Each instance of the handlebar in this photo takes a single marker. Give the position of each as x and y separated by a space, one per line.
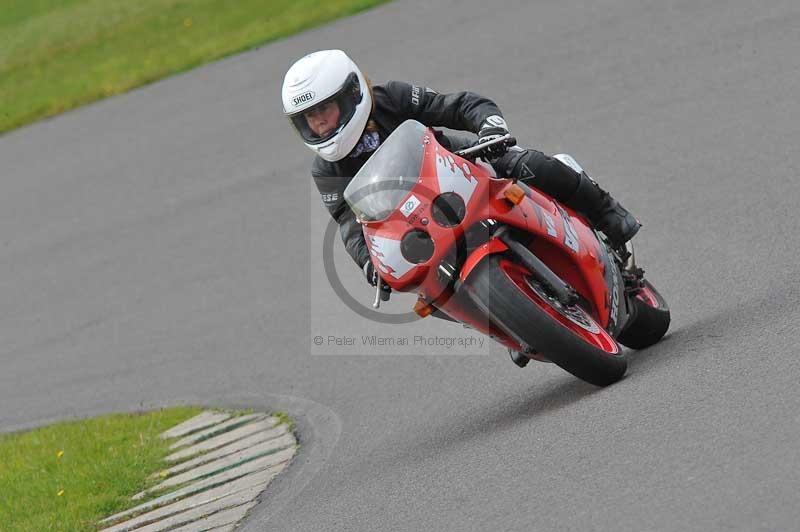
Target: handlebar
478 149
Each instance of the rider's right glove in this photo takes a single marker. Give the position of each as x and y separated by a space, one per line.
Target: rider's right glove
372 278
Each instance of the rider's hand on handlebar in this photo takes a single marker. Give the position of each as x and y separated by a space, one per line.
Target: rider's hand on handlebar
492 128
372 278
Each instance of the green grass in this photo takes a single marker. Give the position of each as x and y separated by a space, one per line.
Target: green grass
283 417
58 54
70 475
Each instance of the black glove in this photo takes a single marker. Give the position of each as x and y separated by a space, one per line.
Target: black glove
372 278
493 127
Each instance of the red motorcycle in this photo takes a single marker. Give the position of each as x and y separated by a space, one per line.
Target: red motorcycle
502 258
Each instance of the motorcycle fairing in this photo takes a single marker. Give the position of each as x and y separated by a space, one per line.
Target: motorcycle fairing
562 239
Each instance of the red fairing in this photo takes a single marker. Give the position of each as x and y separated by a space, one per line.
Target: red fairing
492 246
561 238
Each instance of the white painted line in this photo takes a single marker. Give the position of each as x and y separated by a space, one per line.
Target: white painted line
222 465
225 517
259 481
223 528
194 493
198 516
200 421
232 460
223 439
216 429
206 483
261 440
187 511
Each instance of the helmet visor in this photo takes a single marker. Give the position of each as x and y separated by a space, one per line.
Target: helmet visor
324 120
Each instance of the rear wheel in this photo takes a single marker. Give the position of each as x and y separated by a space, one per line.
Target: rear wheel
651 319
566 335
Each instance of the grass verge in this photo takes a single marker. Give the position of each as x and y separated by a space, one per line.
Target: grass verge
70 475
58 54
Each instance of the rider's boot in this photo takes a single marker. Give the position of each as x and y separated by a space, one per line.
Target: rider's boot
604 212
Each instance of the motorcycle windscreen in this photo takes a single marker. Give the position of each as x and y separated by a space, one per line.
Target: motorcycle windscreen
387 177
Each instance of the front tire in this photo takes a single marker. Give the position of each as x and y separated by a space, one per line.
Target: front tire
507 294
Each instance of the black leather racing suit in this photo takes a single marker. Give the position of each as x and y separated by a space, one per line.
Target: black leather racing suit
396 102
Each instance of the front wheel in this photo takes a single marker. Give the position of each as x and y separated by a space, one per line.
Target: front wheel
567 335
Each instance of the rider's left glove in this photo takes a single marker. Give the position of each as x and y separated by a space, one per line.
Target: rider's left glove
493 127
373 277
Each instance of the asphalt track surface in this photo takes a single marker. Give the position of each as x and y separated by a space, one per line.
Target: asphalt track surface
160 247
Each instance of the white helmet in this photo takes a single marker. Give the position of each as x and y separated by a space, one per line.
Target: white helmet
314 81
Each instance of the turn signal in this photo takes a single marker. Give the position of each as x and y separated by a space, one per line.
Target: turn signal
423 309
514 194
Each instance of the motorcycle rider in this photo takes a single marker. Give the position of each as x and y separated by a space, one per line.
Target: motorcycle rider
343 118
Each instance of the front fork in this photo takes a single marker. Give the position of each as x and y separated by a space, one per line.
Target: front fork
632 275
632 281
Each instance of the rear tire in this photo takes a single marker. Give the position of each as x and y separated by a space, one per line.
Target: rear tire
651 319
568 336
